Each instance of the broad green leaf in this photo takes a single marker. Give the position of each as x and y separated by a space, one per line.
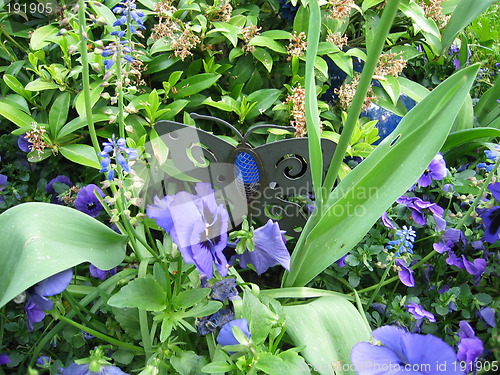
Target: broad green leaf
59 113
264 57
276 34
369 3
226 103
16 86
41 37
144 293
79 123
195 84
263 41
203 309
187 363
465 118
264 98
81 154
343 61
159 148
260 318
416 13
42 239
414 90
217 367
328 328
226 29
190 297
461 137
15 115
487 103
391 87
160 63
288 362
465 12
366 192
40 85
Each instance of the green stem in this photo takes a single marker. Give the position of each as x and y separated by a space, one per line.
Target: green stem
379 285
82 25
143 316
100 335
374 51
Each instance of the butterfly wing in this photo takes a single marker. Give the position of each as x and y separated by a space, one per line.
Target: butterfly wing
285 179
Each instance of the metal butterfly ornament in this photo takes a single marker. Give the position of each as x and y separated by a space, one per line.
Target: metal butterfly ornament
262 183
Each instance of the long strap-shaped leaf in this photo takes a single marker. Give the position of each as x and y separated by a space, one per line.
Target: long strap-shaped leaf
361 198
39 240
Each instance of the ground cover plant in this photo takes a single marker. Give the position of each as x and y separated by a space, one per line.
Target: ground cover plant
249 187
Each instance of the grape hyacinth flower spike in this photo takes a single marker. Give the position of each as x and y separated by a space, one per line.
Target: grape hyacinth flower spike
116 149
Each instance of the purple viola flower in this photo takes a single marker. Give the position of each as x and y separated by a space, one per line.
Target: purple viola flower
470 348
491 223
3 183
402 352
449 239
43 361
405 273
101 274
23 143
386 221
87 202
4 359
495 190
197 224
417 207
76 369
37 303
224 289
435 171
487 315
269 249
210 323
419 313
341 261
62 183
226 336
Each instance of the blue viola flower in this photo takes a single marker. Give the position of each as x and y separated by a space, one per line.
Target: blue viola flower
451 237
62 184
435 171
386 221
487 315
23 143
269 249
43 361
401 352
101 274
4 359
3 183
470 348
76 369
226 335
198 226
87 202
419 314
405 274
37 303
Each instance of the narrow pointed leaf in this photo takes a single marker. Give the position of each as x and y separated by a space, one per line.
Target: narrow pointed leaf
366 192
42 239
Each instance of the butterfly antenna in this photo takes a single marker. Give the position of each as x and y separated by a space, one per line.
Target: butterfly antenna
266 126
196 116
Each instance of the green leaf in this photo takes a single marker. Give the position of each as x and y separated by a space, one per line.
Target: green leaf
391 87
217 367
226 29
144 293
264 57
81 154
95 93
187 363
188 298
107 14
327 328
264 41
369 3
42 239
414 90
343 61
465 12
40 85
416 13
264 99
42 36
375 184
260 318
204 309
15 115
128 319
465 118
59 113
461 137
16 86
78 123
487 104
195 84
173 109
288 362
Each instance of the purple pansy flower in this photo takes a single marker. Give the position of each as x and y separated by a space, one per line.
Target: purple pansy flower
226 336
470 348
386 221
4 359
402 352
419 313
3 183
37 303
76 369
23 143
87 202
491 217
269 249
487 315
405 273
435 171
101 274
60 181
197 224
449 239
417 207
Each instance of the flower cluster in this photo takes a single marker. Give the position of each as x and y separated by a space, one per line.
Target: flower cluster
248 33
389 64
418 208
35 138
339 9
116 149
337 39
492 157
347 91
297 45
128 12
434 10
298 101
404 241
